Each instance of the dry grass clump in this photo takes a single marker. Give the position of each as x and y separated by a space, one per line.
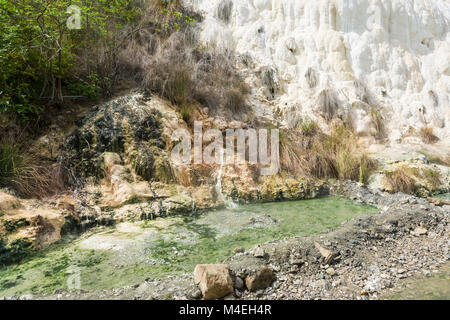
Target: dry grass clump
309 127
402 180
270 81
165 56
224 10
407 179
29 175
378 121
373 107
312 153
427 135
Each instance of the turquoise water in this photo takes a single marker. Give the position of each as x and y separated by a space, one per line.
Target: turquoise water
132 252
445 196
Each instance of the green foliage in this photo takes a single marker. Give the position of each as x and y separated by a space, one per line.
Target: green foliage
186 112
177 20
40 55
90 88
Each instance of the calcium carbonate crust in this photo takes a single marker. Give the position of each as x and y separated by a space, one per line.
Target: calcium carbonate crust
392 56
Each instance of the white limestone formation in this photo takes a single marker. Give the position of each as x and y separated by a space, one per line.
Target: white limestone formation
364 57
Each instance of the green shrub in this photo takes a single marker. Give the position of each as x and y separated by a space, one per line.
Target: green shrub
42 59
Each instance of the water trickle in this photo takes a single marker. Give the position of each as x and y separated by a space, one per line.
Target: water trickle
193 205
219 189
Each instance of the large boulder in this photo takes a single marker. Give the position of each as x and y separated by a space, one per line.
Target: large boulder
214 280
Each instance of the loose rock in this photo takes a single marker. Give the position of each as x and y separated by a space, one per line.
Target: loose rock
260 280
213 280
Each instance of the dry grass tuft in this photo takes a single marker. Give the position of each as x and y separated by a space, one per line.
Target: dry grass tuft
224 10
378 121
311 78
166 58
407 179
402 180
29 175
312 153
442 161
427 135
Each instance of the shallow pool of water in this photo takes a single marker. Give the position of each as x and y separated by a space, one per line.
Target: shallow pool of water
445 196
131 252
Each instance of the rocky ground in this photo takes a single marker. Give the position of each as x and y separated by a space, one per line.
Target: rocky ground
365 258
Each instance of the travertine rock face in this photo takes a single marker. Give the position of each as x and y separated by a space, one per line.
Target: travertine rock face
29 220
385 56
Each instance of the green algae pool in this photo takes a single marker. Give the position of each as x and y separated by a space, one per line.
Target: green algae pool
107 258
445 196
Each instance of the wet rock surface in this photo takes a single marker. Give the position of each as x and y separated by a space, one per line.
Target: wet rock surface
120 127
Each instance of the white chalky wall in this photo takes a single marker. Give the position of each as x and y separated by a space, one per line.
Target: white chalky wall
400 50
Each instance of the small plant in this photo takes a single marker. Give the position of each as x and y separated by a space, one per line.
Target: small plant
90 88
186 112
235 101
377 120
309 127
432 177
224 10
311 78
443 161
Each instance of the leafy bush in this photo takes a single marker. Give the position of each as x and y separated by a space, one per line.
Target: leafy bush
42 58
151 41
